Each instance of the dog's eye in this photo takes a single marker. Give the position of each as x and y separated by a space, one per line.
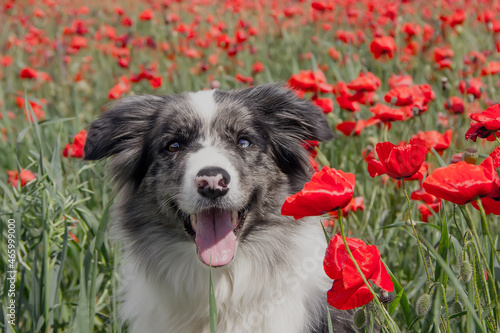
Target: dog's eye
243 143
174 146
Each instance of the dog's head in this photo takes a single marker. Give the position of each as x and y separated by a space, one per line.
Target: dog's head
208 164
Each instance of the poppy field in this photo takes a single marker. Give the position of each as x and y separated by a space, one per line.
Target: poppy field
408 191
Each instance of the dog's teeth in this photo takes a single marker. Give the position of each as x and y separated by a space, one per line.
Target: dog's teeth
234 219
194 221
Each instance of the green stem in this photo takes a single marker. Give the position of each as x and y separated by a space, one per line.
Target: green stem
470 223
496 137
416 235
486 229
368 285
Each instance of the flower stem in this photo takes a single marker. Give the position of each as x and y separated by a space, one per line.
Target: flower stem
496 137
416 235
470 224
368 285
486 229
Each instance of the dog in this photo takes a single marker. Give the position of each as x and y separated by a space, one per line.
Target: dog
201 178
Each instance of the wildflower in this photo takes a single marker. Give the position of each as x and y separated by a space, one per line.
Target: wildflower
461 182
383 46
328 190
433 139
397 162
25 176
76 148
348 290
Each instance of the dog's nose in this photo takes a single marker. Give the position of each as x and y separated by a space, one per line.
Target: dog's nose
212 182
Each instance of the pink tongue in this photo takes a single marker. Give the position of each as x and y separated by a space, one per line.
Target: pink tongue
215 238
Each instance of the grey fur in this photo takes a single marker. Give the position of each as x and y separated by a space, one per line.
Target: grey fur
148 219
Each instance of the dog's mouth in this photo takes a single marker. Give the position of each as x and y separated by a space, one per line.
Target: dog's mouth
215 232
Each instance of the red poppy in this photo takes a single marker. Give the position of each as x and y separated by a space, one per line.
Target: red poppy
26 177
326 104
356 127
386 113
454 105
146 14
76 148
6 61
495 155
477 130
397 162
422 195
365 82
433 139
28 73
120 88
442 56
489 118
400 96
411 29
257 67
490 205
493 67
310 146
348 290
328 190
383 45
310 81
472 86
425 212
461 182
346 102
400 81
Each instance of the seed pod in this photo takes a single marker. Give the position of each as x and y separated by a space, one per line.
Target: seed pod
456 307
360 318
465 271
470 155
423 305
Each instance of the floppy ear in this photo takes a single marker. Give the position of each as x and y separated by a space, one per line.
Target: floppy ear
122 130
291 120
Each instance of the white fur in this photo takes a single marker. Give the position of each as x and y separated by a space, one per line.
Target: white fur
203 103
249 298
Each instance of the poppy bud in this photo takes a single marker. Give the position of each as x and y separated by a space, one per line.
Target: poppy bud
465 271
423 305
456 307
444 83
470 155
360 318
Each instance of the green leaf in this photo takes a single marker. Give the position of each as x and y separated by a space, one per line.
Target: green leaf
405 305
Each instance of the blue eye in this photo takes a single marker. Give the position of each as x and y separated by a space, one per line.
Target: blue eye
174 146
243 143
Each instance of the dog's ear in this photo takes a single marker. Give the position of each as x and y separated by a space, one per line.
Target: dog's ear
121 130
291 121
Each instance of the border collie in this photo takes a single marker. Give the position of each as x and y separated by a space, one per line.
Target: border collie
201 179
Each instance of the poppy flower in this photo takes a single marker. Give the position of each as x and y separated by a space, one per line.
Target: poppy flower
400 96
386 113
25 176
495 155
433 139
6 61
120 88
76 148
397 162
454 105
328 190
422 195
490 206
425 212
310 81
28 73
383 45
472 86
326 104
348 290
365 82
257 67
356 127
357 203
492 67
346 102
489 118
477 130
461 182
146 14
400 81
